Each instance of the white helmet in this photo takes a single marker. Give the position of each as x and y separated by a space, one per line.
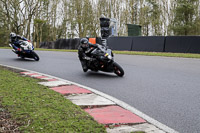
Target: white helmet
12 35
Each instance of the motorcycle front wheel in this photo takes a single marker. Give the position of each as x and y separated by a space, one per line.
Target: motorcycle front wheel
35 56
118 70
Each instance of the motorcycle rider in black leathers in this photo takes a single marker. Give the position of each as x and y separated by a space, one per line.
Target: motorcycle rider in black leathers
84 50
16 41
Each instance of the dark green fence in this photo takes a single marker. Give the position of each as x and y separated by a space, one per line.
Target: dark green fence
134 30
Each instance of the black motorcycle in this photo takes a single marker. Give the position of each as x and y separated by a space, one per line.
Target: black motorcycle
26 50
101 59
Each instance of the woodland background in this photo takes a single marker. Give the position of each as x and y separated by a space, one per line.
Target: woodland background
49 20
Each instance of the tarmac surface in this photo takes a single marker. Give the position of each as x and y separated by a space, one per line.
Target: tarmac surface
164 88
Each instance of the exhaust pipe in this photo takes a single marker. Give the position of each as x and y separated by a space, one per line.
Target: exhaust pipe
13 48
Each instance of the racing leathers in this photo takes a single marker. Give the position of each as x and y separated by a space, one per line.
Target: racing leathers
17 41
84 55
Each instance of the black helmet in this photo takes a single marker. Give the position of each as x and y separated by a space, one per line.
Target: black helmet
84 43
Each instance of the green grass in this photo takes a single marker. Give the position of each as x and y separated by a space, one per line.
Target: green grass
5 47
39 109
183 55
59 50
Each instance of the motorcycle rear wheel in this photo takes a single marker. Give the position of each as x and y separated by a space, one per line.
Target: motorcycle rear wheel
118 70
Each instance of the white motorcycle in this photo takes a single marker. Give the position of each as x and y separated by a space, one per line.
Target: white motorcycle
26 50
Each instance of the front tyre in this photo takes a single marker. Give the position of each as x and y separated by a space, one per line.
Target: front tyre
35 56
118 70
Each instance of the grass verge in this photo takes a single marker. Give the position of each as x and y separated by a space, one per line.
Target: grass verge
165 54
37 108
183 55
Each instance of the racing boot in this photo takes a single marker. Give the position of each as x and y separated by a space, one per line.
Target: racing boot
84 66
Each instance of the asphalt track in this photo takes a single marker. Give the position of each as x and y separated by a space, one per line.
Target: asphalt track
164 88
